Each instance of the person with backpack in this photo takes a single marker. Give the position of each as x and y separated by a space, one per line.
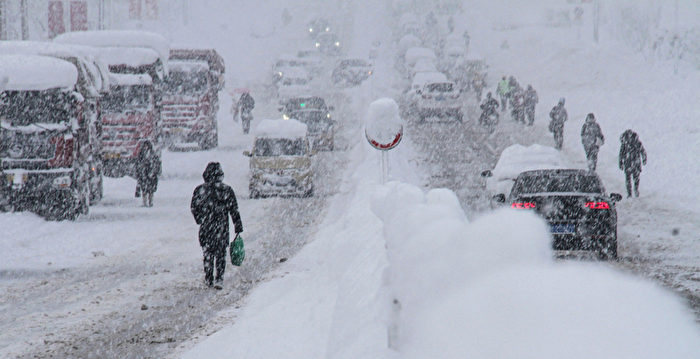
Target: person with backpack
591 138
531 100
558 116
148 168
212 204
632 157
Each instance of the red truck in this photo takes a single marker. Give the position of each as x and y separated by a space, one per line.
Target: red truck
45 137
132 109
191 97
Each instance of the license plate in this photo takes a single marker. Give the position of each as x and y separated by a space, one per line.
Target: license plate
563 228
110 156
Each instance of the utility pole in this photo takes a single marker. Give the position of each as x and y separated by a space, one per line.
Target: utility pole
24 18
596 20
101 15
2 20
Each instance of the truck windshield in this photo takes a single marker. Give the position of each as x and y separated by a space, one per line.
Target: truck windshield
121 98
186 82
22 108
279 147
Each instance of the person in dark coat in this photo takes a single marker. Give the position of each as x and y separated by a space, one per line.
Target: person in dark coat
246 104
212 204
558 116
591 138
148 168
531 100
489 107
632 157
517 102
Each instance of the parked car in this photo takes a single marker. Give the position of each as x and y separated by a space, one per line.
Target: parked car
581 216
352 71
439 99
45 138
191 97
280 160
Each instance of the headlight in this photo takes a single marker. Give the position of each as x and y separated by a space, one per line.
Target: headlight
311 29
62 182
328 115
279 73
285 117
328 29
318 44
337 43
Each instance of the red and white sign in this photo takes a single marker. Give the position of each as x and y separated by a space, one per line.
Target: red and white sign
384 127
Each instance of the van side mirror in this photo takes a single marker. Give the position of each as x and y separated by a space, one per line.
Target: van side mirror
486 173
500 198
247 154
616 197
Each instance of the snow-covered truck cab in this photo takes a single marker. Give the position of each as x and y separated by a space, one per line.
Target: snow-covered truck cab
280 162
129 122
191 97
44 138
131 53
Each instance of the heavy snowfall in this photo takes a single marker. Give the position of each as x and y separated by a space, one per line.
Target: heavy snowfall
412 179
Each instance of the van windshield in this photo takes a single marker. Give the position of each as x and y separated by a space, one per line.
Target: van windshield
22 108
126 97
267 147
186 82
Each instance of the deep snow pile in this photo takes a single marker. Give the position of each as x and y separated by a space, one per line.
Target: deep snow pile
487 289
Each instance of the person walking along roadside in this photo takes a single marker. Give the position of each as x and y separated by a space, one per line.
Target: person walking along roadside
591 138
212 204
632 157
558 116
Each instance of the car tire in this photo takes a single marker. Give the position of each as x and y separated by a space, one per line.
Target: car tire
309 193
609 249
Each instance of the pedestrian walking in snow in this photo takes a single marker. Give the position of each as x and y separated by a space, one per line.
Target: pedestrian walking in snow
591 138
632 157
148 168
246 104
503 90
212 204
517 102
531 100
558 116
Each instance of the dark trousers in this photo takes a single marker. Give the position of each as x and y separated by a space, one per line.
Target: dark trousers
504 102
592 157
530 112
214 257
558 138
632 176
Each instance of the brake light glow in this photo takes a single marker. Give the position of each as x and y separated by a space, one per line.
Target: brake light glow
598 205
523 205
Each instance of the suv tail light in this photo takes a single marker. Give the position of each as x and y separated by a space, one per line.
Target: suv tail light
598 205
523 205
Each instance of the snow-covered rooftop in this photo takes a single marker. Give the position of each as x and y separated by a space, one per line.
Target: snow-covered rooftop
130 79
280 129
37 73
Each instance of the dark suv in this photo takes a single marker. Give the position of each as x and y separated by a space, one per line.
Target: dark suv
581 216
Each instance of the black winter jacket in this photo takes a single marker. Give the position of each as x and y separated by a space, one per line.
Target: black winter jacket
632 154
212 203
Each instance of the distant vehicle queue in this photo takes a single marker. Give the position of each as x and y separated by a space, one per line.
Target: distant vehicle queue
93 104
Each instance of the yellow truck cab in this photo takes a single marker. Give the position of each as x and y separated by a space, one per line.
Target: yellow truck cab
280 161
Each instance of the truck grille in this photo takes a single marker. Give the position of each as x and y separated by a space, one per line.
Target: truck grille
179 115
119 133
27 147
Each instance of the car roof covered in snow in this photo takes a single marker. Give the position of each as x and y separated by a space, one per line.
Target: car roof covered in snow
130 79
188 66
422 78
516 159
416 53
280 129
135 57
295 72
119 38
37 73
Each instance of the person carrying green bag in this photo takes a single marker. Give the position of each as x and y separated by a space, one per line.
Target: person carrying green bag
237 251
212 204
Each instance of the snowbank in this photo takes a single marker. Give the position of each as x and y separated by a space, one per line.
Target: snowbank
37 73
280 129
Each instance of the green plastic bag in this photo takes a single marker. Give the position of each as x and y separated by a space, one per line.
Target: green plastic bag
237 251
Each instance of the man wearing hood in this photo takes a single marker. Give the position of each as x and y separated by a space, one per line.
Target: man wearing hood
632 157
212 203
591 138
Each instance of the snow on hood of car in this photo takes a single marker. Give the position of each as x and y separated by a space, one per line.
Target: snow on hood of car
280 129
129 79
134 57
37 73
119 38
518 158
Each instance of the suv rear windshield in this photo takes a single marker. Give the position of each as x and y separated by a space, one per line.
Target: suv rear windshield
439 87
22 108
126 97
557 183
267 147
305 103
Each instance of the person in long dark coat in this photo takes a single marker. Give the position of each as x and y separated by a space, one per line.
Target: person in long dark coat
212 204
148 168
591 138
632 157
531 100
556 125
